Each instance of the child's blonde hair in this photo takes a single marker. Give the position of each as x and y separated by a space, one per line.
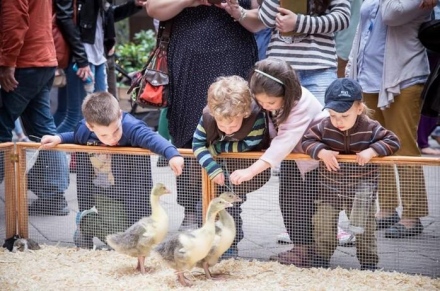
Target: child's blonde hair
100 108
229 97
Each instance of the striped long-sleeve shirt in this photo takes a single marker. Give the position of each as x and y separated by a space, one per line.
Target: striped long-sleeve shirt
208 141
366 133
316 48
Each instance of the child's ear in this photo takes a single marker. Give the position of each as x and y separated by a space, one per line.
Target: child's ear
89 126
361 108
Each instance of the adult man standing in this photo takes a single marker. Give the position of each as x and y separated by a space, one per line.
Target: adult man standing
27 66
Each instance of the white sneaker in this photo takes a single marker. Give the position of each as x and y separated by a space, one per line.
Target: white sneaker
283 238
345 239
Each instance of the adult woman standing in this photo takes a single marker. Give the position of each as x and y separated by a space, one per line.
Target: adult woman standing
205 43
392 86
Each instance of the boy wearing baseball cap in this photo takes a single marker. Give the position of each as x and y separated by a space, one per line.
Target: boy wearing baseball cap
347 186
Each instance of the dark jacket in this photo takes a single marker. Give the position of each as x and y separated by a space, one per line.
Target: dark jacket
431 90
83 27
366 133
135 133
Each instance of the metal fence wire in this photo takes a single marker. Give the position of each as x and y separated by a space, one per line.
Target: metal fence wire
77 195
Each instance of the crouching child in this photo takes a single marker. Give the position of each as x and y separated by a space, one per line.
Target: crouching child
112 189
231 122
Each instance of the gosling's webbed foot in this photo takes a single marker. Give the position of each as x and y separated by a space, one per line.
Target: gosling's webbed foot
183 280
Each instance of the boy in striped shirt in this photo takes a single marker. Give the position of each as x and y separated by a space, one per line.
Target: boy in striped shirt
231 122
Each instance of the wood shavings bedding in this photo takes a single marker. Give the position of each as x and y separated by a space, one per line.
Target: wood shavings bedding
59 268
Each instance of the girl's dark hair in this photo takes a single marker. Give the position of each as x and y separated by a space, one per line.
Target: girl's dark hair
290 90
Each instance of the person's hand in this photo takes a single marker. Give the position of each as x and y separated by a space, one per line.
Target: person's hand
232 7
240 176
7 79
219 179
49 141
365 156
428 4
85 72
329 159
285 20
140 2
176 164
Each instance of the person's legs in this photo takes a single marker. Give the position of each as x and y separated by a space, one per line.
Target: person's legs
297 207
364 211
49 177
426 127
317 81
411 178
325 223
189 191
19 131
100 74
388 200
75 96
61 110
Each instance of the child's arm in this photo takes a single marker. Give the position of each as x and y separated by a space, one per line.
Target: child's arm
50 141
254 138
202 154
313 145
384 143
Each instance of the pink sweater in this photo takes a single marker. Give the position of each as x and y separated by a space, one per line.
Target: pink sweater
304 115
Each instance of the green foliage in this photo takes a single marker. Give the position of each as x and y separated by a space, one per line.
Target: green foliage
132 56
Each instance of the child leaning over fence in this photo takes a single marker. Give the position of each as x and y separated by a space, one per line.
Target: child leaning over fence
347 186
117 184
231 122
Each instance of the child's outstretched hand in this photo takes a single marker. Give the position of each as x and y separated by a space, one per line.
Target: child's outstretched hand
240 176
219 179
329 159
176 164
49 141
365 156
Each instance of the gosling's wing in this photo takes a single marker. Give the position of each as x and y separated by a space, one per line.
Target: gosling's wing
128 239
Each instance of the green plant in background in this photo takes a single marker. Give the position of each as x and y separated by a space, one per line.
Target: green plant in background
132 56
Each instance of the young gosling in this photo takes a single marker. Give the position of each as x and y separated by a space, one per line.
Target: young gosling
183 250
224 235
141 237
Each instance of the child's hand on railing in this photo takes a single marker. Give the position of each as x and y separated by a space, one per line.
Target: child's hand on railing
176 164
329 159
365 156
49 141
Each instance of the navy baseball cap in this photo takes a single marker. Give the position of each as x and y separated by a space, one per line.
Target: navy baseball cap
341 94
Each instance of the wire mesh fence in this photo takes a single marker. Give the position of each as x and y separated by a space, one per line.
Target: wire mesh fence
99 191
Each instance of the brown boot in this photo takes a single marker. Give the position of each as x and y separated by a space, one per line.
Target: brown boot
300 256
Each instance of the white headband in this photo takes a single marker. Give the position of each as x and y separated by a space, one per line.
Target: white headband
269 76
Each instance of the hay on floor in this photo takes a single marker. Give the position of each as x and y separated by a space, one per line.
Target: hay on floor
58 268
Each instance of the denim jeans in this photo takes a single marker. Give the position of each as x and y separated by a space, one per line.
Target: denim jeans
31 101
317 81
71 96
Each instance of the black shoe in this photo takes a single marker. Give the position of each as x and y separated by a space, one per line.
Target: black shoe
49 206
400 231
320 262
388 221
368 267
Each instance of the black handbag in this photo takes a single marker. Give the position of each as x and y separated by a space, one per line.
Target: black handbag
150 86
429 35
